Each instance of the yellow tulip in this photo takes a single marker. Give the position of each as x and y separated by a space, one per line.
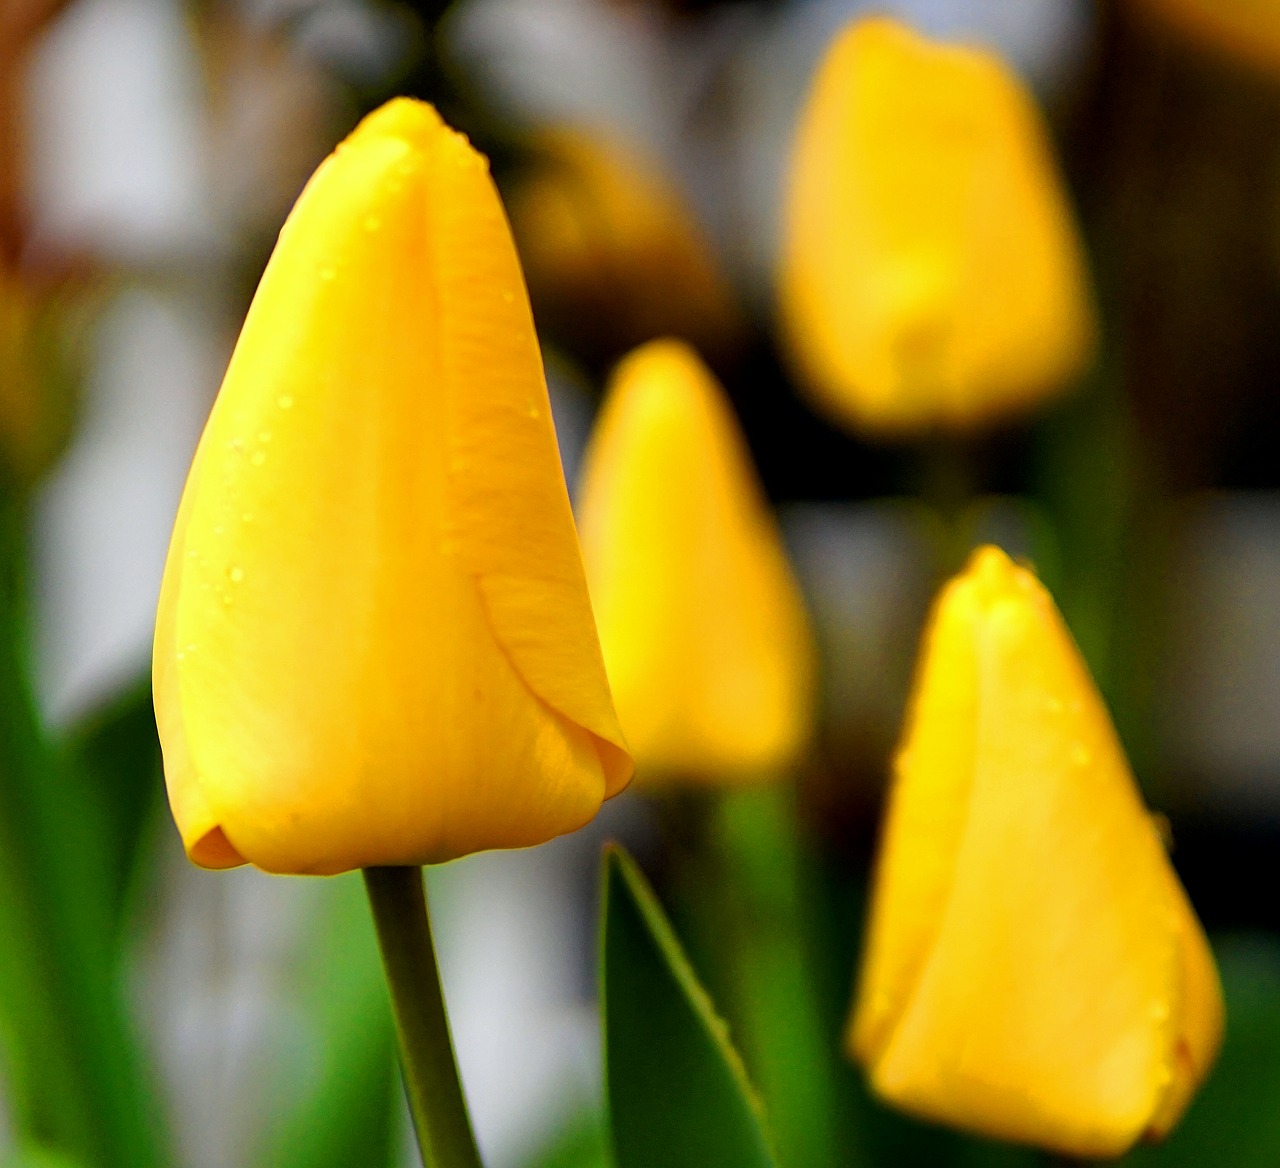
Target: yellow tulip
613 252
1033 971
1248 30
931 272
374 644
701 622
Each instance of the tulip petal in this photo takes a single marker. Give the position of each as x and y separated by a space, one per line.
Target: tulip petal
700 619
924 824
198 825
335 686
508 503
1035 973
1199 1017
931 273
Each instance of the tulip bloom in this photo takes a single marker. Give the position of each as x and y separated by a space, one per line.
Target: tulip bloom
931 271
613 253
701 621
374 643
1033 969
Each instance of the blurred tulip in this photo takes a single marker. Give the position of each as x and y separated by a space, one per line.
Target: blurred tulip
701 622
1248 30
374 643
37 350
613 254
931 271
39 373
1033 970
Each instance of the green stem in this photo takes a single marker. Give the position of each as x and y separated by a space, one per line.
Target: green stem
431 1080
948 481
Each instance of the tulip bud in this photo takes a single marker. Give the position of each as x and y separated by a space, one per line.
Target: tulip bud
1033 970
613 253
701 621
931 272
374 643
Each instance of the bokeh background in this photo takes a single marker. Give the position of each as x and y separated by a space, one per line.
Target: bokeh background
149 151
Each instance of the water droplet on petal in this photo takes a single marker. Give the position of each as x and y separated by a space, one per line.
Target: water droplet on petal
236 445
534 412
264 435
258 457
1081 755
1054 705
285 401
235 573
372 223
328 272
508 297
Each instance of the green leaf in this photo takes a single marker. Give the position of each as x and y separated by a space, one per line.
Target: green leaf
753 927
75 1074
582 1143
35 1156
677 1093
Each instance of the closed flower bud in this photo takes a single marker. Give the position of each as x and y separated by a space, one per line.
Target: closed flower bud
613 253
701 621
931 272
1033 971
374 643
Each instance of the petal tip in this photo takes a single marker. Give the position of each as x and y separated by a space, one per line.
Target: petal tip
213 850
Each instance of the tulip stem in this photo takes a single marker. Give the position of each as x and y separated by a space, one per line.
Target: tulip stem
430 1069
